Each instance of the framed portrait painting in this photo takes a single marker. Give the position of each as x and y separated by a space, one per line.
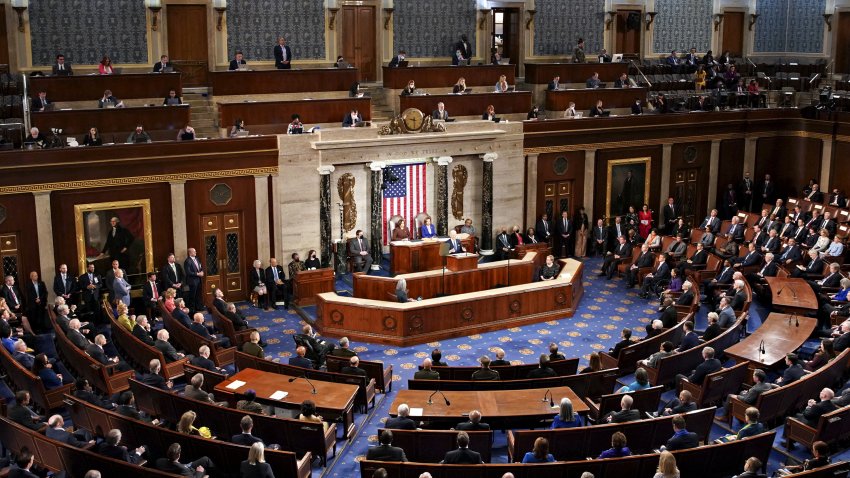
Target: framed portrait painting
627 184
119 230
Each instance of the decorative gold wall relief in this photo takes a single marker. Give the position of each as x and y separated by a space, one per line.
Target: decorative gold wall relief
345 188
460 175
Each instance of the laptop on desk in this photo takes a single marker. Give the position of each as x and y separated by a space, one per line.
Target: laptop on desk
167 69
242 133
50 107
617 58
403 63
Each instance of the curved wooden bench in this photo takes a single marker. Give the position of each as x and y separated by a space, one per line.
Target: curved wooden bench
19 378
225 326
380 372
507 372
718 385
192 342
139 354
644 401
430 446
629 356
832 427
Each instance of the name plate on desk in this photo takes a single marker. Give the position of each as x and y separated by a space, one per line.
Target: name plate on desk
462 262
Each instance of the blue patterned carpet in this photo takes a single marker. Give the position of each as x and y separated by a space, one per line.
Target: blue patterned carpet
605 309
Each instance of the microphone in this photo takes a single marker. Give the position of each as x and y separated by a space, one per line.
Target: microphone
780 290
551 402
442 394
305 378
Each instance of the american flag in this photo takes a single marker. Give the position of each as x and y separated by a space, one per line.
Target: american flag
405 197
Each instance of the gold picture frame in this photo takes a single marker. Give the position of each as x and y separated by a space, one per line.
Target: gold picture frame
93 218
617 171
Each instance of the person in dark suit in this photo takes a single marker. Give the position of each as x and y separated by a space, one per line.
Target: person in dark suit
599 237
696 261
790 253
153 377
282 55
237 61
75 336
194 278
168 351
196 469
401 421
622 252
162 65
255 466
463 455
637 107
394 63
811 271
670 213
111 448
564 227
151 293
690 339
760 385
553 85
85 392
684 403
202 360
543 228
343 350
65 285
667 314
172 275
645 259
770 269
385 451
463 51
815 408
199 328
687 297
358 247
713 329
23 463
766 191
22 414
485 372
597 110
233 314
300 359
543 369
815 195
440 113
142 330
625 413
246 437
625 341
682 438
56 430
37 302
40 102
503 245
474 423
793 372
276 284
353 367
61 67
426 373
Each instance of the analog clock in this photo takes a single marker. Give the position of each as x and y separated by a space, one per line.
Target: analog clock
413 119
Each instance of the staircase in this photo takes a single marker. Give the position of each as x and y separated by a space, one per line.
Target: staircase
203 115
382 112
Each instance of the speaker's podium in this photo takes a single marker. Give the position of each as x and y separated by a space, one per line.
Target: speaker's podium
462 262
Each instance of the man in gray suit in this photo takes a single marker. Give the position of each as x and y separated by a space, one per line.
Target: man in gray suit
385 451
359 249
726 316
760 385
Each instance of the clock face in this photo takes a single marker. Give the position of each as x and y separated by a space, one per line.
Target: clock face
412 118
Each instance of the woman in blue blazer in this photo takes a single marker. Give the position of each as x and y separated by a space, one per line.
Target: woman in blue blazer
428 230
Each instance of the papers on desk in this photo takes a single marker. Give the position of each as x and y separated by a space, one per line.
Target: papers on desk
416 412
235 384
279 395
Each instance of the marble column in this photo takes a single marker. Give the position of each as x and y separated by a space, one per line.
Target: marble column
531 188
825 165
666 159
325 211
487 204
277 223
713 171
589 178
376 214
261 203
178 220
44 228
750 146
441 196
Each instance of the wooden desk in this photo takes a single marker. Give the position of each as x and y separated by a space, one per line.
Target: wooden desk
280 112
792 295
447 76
309 283
501 407
431 284
781 336
225 83
542 73
333 400
586 98
117 122
474 104
462 262
405 324
416 256
91 87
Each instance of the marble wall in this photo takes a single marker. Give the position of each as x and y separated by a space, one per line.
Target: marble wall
682 24
253 27
557 25
430 28
85 30
795 26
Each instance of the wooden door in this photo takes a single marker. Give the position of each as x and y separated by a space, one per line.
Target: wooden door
687 193
557 197
4 39
358 39
627 36
733 34
506 33
10 256
187 42
223 254
842 43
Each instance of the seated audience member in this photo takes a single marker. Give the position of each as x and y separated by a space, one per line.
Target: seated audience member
436 358
815 408
36 139
427 230
533 114
253 347
61 67
656 328
690 339
474 423
109 101
172 99
238 128
687 297
713 329
645 259
162 65
401 421
625 414
40 102
201 467
752 427
246 424
463 455
154 379
835 249
249 403
186 133
255 466
235 316
684 403
637 107
751 466
43 369
92 138
22 414
666 466
409 89
618 447
353 367
708 365
168 351
682 438
641 382
566 417
793 372
820 458
352 119
760 385
665 350
489 114
554 354
186 425
625 341
500 358
597 110
199 328
622 81
238 62
84 391
549 270
194 390
385 451
343 350
308 413
540 454
485 373
427 373
56 430
295 126
401 232
139 135
202 360
112 448
127 407
543 370
300 359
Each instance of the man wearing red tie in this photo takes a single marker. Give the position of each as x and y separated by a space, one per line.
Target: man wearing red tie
150 292
194 278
